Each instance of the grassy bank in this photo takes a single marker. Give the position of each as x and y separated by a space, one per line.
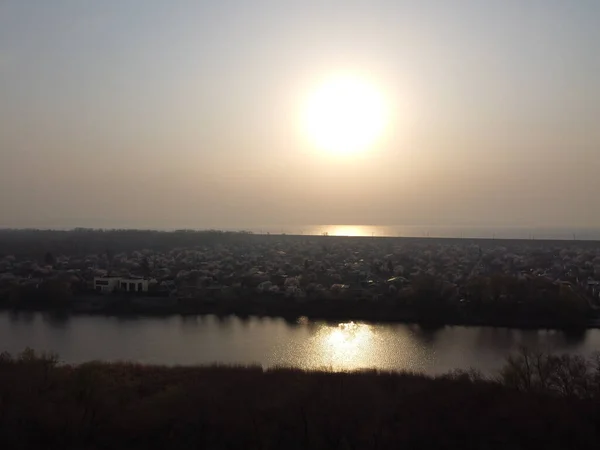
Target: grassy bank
539 401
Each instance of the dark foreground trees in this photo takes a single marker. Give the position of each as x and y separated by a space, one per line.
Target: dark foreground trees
97 405
570 376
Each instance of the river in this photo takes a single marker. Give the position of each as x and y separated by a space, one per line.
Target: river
189 340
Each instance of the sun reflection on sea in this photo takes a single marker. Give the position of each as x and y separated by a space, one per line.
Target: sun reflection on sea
348 230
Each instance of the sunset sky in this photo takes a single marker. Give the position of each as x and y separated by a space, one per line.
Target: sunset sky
155 113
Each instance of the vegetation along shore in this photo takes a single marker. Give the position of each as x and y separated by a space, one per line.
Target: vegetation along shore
536 399
515 283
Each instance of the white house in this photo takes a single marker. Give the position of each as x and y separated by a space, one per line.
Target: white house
134 284
112 284
106 284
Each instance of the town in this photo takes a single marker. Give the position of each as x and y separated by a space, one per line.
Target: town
520 283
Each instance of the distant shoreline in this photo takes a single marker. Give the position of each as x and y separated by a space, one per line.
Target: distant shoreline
493 236
237 289
293 236
313 313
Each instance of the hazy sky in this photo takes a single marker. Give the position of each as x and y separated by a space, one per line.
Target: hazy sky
163 113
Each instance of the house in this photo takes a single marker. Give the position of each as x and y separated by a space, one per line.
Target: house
134 284
106 285
112 284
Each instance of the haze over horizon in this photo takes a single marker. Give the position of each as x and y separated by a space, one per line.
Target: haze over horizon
189 113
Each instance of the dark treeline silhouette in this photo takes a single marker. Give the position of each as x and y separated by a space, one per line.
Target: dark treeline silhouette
500 300
537 401
81 241
570 376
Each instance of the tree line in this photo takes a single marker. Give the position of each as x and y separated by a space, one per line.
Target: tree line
536 401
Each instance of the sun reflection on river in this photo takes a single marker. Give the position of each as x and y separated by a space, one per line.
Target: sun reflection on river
347 346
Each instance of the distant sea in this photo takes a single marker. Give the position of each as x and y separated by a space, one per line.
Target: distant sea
485 232
434 231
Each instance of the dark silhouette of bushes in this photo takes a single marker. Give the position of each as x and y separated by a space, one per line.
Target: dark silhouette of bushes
501 299
124 405
571 376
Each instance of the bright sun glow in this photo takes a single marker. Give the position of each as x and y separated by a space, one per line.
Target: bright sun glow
348 345
345 115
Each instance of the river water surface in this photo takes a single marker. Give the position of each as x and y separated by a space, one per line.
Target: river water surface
178 340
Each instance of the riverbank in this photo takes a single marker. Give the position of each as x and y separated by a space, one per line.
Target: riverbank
132 406
322 315
517 284
362 311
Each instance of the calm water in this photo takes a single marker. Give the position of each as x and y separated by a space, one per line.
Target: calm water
385 231
435 231
271 342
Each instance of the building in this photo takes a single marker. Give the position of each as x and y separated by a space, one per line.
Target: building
133 284
107 285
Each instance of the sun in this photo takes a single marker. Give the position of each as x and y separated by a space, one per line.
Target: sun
344 115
